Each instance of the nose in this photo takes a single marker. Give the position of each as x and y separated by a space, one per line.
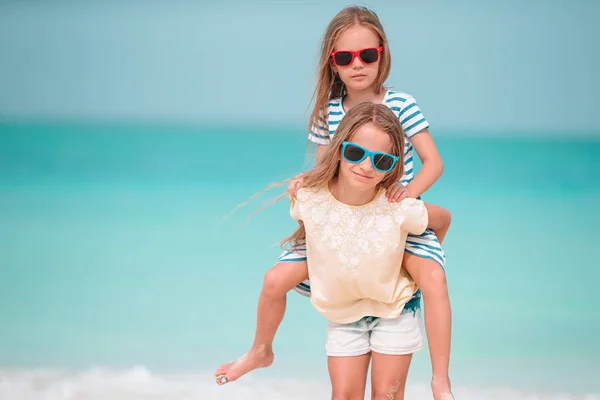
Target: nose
366 165
357 62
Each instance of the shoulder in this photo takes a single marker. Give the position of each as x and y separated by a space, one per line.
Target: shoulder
383 205
308 202
410 203
332 109
409 215
397 100
408 206
311 195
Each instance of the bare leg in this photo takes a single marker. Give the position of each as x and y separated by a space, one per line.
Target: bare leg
279 280
430 277
388 376
348 376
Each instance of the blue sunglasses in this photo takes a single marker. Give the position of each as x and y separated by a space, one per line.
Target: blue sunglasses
382 162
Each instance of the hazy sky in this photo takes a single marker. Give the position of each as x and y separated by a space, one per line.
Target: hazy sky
499 66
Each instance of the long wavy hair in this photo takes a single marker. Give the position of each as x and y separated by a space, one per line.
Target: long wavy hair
328 169
329 85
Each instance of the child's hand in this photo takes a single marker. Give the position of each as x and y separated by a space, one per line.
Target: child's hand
397 192
294 185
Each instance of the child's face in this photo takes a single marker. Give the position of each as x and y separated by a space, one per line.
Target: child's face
358 75
363 176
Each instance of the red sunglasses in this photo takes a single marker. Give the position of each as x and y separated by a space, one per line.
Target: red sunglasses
346 57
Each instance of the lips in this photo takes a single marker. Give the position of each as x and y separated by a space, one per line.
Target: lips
361 176
358 76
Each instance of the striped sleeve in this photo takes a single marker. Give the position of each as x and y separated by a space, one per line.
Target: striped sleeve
319 131
412 119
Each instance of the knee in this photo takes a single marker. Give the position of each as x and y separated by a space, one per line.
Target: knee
447 218
395 391
273 283
434 280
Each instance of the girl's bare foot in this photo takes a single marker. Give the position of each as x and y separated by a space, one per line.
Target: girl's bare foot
256 358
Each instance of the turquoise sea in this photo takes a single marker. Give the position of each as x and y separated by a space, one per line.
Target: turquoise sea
121 278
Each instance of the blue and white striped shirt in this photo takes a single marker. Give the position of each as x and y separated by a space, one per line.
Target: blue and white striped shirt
402 104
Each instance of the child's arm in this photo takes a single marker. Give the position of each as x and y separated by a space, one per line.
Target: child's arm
416 129
432 167
428 174
439 220
321 149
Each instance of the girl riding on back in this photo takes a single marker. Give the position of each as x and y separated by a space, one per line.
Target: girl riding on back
355 63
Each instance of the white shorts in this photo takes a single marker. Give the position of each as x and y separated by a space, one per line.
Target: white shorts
397 336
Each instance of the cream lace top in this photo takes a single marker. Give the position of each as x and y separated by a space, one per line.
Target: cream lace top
354 253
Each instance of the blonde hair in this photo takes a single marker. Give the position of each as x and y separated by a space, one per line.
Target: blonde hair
329 85
358 116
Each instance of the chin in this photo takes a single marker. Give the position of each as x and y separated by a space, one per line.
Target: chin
359 86
364 186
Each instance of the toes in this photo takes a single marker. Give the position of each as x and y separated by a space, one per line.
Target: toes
221 380
223 369
234 373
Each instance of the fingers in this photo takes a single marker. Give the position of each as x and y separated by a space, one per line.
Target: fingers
293 187
399 197
402 196
396 193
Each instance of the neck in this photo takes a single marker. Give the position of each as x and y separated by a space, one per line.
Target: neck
354 97
350 196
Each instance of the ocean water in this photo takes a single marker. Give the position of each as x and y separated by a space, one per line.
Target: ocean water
121 276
